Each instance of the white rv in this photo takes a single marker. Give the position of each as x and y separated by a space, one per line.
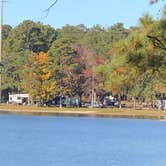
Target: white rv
18 98
161 104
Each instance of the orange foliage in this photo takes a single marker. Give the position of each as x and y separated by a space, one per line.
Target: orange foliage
38 59
150 48
45 74
161 89
145 28
118 71
25 66
37 75
42 58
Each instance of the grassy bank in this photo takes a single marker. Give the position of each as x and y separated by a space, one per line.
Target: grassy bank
93 112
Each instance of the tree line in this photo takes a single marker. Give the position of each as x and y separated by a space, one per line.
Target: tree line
75 60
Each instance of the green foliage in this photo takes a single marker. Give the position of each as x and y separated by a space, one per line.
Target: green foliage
12 68
24 38
76 33
122 61
99 39
138 63
61 56
30 36
5 31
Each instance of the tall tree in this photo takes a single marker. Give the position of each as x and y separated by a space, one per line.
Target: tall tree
30 36
61 55
6 29
25 38
37 78
137 63
76 33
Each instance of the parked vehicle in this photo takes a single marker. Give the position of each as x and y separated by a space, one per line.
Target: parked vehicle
56 102
89 105
18 99
161 104
109 101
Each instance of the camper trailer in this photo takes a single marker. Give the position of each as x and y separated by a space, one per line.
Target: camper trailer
18 99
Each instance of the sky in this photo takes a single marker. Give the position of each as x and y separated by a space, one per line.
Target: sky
75 12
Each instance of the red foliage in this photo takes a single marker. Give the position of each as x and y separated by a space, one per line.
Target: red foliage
98 60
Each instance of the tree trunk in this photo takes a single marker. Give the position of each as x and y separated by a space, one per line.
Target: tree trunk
119 101
80 100
134 100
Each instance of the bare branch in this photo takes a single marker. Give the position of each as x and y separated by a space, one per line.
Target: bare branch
49 8
153 1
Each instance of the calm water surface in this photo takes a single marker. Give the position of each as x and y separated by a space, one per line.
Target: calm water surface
67 141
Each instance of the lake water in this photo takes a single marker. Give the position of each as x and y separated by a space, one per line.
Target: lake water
68 141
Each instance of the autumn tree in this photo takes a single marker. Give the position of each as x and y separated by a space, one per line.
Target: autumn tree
137 63
61 56
37 78
18 43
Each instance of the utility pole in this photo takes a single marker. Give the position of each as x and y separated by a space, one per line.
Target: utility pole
1 18
93 91
92 82
60 63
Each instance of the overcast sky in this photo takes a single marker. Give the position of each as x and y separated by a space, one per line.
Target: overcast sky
74 12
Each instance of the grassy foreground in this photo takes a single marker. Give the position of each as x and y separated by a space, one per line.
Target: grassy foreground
93 112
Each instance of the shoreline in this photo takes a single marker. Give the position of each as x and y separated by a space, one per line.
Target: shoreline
84 112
